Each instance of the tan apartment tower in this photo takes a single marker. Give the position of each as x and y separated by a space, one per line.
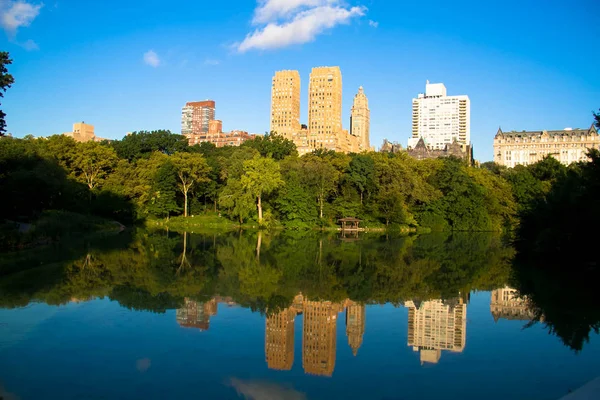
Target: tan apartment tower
195 117
285 103
319 337
360 120
82 132
279 340
325 106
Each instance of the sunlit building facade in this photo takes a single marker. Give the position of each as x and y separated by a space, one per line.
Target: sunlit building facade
83 132
196 116
285 103
360 120
439 119
528 147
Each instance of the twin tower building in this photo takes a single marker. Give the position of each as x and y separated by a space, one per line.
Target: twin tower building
324 129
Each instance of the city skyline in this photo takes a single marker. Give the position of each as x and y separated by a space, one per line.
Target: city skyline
137 76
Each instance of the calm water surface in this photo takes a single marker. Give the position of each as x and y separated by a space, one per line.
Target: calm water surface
157 316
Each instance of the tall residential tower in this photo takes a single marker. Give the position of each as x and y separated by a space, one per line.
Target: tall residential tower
440 119
195 117
325 106
285 103
360 120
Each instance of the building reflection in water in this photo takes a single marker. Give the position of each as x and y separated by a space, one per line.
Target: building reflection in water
318 334
505 303
196 314
436 325
279 340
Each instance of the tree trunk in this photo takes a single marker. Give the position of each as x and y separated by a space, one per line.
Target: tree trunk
259 204
321 206
185 203
258 244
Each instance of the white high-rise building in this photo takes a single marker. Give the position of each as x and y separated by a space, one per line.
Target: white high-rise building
440 119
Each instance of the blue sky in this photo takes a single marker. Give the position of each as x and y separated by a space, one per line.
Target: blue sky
131 65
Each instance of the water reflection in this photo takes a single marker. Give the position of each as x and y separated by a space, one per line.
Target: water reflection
506 303
196 315
314 292
158 271
436 325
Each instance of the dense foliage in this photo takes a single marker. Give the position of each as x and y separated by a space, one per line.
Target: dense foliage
157 175
558 265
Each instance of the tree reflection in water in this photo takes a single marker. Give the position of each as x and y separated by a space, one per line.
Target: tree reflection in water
158 271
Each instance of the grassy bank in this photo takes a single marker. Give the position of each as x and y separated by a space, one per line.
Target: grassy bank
197 223
212 222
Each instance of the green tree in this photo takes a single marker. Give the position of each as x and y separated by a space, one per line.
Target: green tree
272 145
463 201
261 177
236 200
164 200
92 162
143 143
294 201
597 119
391 206
192 169
322 177
362 173
6 81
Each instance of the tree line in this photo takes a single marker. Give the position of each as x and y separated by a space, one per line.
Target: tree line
157 175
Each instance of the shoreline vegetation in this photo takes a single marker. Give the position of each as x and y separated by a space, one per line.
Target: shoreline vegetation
65 188
157 179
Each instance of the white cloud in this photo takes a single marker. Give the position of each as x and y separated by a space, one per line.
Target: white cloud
17 14
269 10
211 61
151 58
29 45
374 24
288 22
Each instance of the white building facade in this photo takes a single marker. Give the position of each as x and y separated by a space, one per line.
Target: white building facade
528 147
440 119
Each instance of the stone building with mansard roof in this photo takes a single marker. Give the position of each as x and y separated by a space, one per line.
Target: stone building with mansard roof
528 147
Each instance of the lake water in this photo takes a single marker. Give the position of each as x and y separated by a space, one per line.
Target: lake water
289 316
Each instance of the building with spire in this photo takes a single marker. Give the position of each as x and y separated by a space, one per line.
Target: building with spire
355 325
360 120
285 103
436 325
324 129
